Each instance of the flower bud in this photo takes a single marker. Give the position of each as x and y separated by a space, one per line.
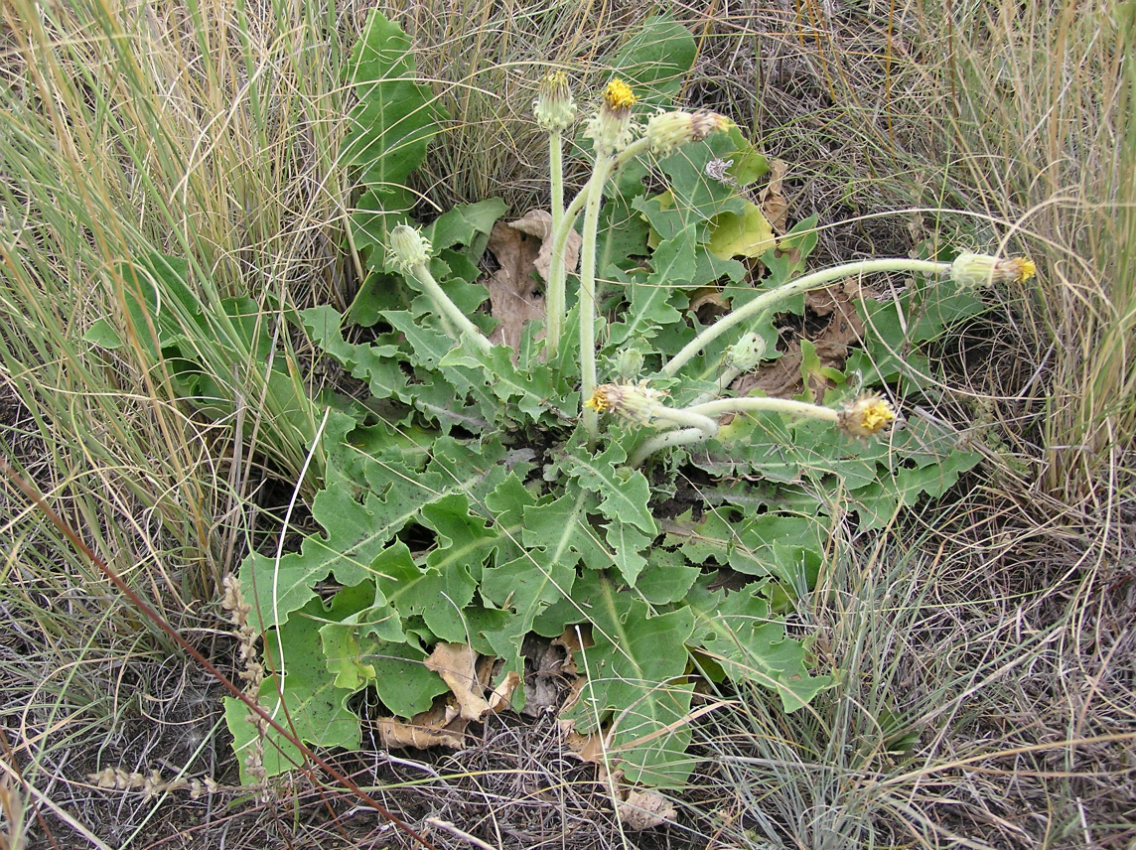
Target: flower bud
629 363
746 353
610 128
869 414
407 248
973 271
636 403
554 108
668 131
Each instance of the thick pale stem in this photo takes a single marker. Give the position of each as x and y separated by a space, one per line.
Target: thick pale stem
773 405
448 309
699 433
811 281
557 275
592 205
687 418
685 437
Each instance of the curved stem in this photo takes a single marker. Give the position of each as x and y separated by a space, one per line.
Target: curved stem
684 437
688 418
556 303
689 436
448 310
803 284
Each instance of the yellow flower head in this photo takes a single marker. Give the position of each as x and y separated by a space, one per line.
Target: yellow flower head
618 96
600 401
868 415
611 127
636 403
1024 268
973 271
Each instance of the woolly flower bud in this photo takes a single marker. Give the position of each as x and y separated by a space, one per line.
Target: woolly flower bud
636 403
407 248
610 128
554 107
869 414
973 271
629 362
746 353
668 131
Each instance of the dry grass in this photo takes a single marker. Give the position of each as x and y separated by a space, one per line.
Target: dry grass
997 634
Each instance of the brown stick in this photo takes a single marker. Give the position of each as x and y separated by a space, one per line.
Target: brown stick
9 473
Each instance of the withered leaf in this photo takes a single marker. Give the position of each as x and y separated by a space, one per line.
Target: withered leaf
436 727
538 223
502 695
645 810
772 198
456 663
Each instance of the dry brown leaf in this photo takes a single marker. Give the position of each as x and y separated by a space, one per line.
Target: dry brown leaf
502 695
772 200
456 663
485 667
573 639
436 727
709 303
395 735
780 378
588 748
645 810
538 223
515 297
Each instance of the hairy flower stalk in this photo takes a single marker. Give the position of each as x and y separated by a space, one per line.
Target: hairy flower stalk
409 252
610 130
642 405
803 284
868 415
722 406
555 110
588 307
971 270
